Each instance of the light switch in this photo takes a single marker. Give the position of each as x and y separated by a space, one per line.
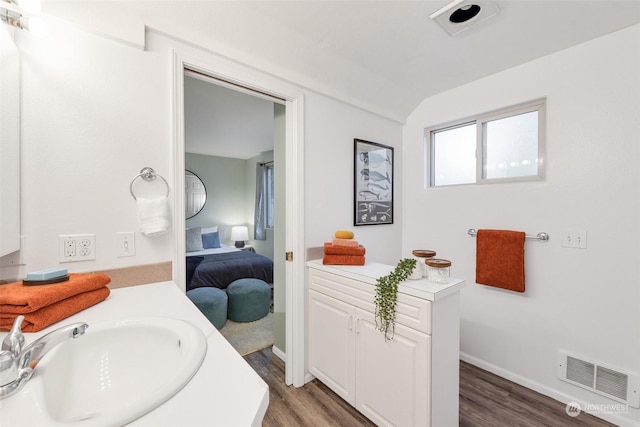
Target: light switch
126 243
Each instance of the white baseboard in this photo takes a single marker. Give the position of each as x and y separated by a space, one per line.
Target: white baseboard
281 354
616 419
308 377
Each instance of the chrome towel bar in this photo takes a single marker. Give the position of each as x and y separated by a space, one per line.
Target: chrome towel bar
148 174
542 236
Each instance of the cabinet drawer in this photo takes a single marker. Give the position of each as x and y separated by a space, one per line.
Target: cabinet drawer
410 311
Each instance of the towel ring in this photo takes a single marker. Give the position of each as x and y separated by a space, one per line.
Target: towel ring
148 174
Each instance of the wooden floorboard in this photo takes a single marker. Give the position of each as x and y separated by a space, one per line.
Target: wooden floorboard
485 400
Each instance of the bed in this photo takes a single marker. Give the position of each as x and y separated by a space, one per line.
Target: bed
218 267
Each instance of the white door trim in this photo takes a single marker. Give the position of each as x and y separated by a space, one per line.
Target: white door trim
225 69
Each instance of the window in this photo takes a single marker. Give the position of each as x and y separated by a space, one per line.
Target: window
505 145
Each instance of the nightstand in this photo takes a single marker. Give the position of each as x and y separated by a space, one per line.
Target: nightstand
247 248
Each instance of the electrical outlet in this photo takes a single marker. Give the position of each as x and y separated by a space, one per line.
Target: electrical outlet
77 247
575 239
69 248
126 244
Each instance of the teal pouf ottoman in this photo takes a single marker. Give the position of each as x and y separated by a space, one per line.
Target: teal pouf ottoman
249 300
212 302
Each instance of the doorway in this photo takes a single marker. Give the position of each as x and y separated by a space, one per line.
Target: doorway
293 241
232 137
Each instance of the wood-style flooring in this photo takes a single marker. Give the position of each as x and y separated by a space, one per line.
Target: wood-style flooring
485 400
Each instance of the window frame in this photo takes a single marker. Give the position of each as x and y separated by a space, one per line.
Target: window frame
480 120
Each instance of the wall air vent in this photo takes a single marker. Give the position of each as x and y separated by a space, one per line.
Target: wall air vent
604 380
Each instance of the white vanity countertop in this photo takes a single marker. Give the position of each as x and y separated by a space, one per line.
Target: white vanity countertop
371 271
225 391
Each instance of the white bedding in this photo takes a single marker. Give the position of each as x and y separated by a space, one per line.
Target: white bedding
221 250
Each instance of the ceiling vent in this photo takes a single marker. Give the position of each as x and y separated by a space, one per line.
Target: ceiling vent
461 15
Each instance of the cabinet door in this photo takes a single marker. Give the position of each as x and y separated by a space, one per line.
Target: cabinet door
332 344
392 377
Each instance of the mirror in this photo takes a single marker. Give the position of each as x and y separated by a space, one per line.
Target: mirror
9 143
195 195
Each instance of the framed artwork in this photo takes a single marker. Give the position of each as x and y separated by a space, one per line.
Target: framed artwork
373 183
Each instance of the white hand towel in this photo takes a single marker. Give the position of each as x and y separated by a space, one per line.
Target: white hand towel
153 215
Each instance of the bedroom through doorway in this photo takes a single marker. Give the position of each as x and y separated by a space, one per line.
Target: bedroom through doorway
234 142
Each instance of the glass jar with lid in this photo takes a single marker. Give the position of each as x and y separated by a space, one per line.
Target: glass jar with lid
437 270
421 255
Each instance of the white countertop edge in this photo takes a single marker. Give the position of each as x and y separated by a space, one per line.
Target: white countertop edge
371 271
242 396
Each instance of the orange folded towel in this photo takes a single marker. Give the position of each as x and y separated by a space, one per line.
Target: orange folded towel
343 260
16 298
500 259
346 242
330 249
50 314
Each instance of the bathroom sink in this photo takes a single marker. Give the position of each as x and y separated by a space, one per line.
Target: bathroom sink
113 374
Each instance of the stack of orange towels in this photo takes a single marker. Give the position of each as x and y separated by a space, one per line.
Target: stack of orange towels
343 250
44 305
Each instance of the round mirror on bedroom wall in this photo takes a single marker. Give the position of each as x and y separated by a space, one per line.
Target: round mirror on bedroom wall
195 194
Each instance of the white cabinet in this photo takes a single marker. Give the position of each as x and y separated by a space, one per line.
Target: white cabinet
332 344
391 382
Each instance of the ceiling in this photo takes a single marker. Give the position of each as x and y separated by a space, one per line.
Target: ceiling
385 56
224 122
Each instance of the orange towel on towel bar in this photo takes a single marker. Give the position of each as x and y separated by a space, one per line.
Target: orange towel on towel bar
500 259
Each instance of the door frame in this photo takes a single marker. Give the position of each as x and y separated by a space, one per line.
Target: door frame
295 272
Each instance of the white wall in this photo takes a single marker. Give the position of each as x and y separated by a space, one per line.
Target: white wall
226 184
585 301
329 169
96 111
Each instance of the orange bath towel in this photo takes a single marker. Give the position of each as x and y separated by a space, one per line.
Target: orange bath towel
343 260
331 249
16 298
346 242
50 314
500 259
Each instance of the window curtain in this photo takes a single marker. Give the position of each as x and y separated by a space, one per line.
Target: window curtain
260 218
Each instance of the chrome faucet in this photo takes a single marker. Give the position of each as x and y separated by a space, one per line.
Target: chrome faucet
17 363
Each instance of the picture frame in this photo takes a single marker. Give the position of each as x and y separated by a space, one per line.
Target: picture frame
373 183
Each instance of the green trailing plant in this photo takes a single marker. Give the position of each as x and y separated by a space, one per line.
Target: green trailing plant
387 295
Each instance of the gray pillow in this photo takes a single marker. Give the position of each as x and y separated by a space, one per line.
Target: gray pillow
193 239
